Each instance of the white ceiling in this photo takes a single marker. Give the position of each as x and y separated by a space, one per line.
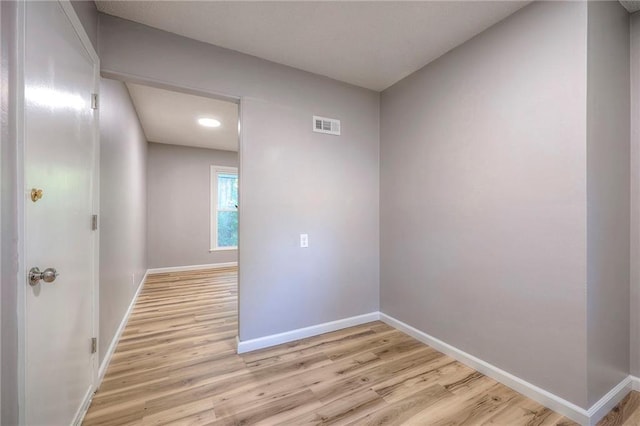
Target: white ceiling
171 118
631 5
372 44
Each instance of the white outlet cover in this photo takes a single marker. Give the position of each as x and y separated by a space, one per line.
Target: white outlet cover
304 240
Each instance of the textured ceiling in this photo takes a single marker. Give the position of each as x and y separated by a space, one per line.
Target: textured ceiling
171 118
631 5
372 44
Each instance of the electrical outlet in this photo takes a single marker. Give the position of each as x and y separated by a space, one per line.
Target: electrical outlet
304 240
133 279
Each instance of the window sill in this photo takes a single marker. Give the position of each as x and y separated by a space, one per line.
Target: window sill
222 249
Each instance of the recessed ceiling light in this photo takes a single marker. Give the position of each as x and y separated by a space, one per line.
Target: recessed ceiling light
208 122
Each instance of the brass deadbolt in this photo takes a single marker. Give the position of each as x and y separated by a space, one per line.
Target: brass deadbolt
36 194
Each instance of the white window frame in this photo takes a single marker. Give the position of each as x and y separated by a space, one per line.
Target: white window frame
215 171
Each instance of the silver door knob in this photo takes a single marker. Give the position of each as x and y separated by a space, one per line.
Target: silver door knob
48 275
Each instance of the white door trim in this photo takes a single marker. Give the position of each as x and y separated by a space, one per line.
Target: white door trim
20 171
20 216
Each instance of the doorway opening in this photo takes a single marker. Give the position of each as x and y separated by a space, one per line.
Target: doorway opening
192 184
192 177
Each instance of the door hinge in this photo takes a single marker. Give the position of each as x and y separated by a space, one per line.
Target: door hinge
94 222
94 101
94 345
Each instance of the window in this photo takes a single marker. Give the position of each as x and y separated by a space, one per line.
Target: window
224 208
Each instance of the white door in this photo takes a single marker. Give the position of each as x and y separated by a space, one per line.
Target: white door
60 150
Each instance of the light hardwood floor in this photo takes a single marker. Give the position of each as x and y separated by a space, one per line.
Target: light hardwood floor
627 413
176 364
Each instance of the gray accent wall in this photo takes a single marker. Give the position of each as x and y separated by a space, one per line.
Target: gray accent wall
505 198
608 208
8 216
484 197
292 180
88 14
123 207
178 205
635 194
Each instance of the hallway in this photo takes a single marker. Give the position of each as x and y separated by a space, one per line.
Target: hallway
177 340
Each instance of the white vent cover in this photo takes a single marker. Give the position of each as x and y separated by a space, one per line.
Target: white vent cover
330 126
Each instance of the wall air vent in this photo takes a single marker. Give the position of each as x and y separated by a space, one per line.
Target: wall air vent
330 126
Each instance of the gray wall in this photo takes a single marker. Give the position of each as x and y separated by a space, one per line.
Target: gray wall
123 206
483 197
607 197
635 195
88 15
8 217
292 181
178 209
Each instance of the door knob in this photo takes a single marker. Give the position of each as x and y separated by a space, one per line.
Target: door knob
36 194
48 275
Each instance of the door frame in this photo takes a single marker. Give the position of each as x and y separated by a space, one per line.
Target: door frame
198 91
22 268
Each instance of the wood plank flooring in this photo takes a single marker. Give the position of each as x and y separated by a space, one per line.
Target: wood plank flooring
176 364
627 413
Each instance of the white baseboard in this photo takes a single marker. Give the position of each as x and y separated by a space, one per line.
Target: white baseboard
86 402
301 333
576 413
116 338
554 402
84 407
560 405
610 400
191 267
